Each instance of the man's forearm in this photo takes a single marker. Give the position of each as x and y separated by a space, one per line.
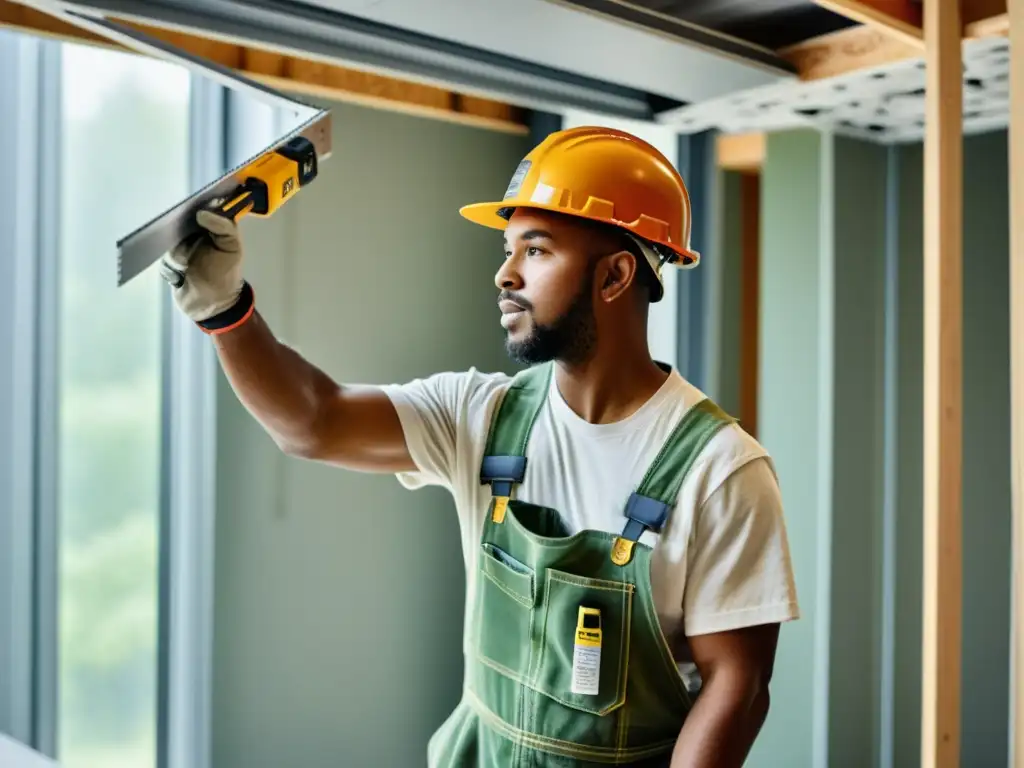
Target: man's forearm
722 727
281 389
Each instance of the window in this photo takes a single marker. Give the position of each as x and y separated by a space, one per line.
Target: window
124 158
107 410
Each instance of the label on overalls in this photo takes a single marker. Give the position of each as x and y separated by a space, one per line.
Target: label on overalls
586 654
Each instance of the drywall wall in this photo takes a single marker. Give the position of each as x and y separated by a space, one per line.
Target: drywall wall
857 351
986 450
791 408
338 595
820 412
840 409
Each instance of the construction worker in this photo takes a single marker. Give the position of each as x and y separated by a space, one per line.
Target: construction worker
626 556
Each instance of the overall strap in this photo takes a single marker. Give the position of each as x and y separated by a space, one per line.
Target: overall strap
504 462
650 505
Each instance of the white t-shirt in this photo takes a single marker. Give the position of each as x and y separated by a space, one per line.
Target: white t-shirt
722 560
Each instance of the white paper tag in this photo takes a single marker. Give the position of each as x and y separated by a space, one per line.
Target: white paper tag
586 669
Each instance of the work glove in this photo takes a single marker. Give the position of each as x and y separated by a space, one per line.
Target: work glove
205 274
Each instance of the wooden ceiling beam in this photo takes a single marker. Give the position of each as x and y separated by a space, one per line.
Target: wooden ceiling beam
298 75
742 152
973 11
866 46
993 26
845 51
900 19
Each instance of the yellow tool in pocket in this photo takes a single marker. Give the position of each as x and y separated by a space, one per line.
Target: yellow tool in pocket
586 652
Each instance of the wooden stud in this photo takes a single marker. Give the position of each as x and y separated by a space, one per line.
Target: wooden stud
943 391
1016 297
845 51
993 26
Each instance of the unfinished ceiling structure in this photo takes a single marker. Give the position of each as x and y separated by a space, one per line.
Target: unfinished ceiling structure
738 66
860 65
855 67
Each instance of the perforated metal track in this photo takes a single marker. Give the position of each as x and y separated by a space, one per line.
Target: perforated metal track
884 104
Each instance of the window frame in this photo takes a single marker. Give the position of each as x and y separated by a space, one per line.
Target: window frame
47 640
28 610
20 90
188 485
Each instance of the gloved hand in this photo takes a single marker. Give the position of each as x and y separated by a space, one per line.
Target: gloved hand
205 273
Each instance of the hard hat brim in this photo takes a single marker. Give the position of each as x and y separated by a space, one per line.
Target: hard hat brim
486 215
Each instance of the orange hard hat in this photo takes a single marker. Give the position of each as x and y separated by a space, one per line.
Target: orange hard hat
604 175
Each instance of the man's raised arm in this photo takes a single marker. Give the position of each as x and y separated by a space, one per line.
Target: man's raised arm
302 408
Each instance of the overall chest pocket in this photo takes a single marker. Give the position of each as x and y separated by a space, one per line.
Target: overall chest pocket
507 593
559 661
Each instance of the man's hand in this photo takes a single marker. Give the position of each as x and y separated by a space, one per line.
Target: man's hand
205 271
735 669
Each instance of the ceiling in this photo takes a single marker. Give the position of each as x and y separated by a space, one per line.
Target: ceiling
883 103
701 64
724 60
596 44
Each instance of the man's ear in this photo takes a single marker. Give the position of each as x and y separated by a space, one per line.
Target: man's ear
619 273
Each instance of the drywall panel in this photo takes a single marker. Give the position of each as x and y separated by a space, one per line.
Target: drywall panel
790 411
857 352
820 414
986 446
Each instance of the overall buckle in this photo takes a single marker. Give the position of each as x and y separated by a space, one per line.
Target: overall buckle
643 513
501 473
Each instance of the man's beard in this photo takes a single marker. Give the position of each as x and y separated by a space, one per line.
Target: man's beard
569 339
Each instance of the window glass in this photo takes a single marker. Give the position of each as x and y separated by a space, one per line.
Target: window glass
124 159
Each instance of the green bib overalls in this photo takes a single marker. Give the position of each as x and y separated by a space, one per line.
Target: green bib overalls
568 665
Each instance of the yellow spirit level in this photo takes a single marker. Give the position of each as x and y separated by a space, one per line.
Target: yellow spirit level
271 180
